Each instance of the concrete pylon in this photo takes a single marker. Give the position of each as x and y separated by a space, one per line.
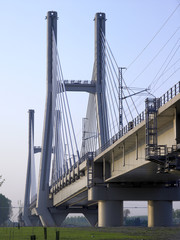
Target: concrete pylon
159 213
43 203
99 75
26 211
110 213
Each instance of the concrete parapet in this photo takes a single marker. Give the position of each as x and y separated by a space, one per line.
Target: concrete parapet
105 193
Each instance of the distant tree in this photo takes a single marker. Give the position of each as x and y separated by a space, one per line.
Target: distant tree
5 209
126 213
76 221
136 221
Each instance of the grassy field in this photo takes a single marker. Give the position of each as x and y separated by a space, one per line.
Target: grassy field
139 233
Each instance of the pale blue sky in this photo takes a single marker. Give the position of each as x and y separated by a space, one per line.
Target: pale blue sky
130 25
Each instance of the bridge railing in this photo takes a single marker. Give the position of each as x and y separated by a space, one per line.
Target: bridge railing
79 82
125 130
88 157
172 92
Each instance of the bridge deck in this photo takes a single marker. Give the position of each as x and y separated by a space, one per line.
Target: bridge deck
124 161
126 157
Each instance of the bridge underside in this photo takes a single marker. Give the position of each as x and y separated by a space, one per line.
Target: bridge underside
145 175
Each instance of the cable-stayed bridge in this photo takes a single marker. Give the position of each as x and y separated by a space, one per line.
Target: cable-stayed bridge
121 158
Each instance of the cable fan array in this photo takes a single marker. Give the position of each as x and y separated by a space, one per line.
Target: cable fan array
115 92
162 65
65 152
120 109
115 96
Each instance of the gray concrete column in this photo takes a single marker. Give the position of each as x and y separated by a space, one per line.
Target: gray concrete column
59 217
92 217
110 213
159 213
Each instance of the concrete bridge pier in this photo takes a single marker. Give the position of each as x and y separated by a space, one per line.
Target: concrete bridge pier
92 217
59 217
110 213
159 213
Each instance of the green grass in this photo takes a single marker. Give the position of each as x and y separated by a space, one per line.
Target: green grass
138 233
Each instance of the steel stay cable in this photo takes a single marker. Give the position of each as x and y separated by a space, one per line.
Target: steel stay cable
126 99
58 137
108 66
64 130
109 48
72 127
115 73
139 55
118 77
110 85
139 102
65 100
60 102
163 64
60 143
112 102
154 56
166 66
62 82
95 115
59 112
103 63
64 137
108 102
167 79
62 105
95 126
111 121
154 36
64 127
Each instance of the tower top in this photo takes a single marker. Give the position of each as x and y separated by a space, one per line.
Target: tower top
52 14
100 15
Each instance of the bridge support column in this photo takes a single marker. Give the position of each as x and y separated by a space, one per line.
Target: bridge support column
60 217
92 217
110 213
159 213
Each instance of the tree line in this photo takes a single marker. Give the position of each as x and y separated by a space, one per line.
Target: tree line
5 207
81 221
